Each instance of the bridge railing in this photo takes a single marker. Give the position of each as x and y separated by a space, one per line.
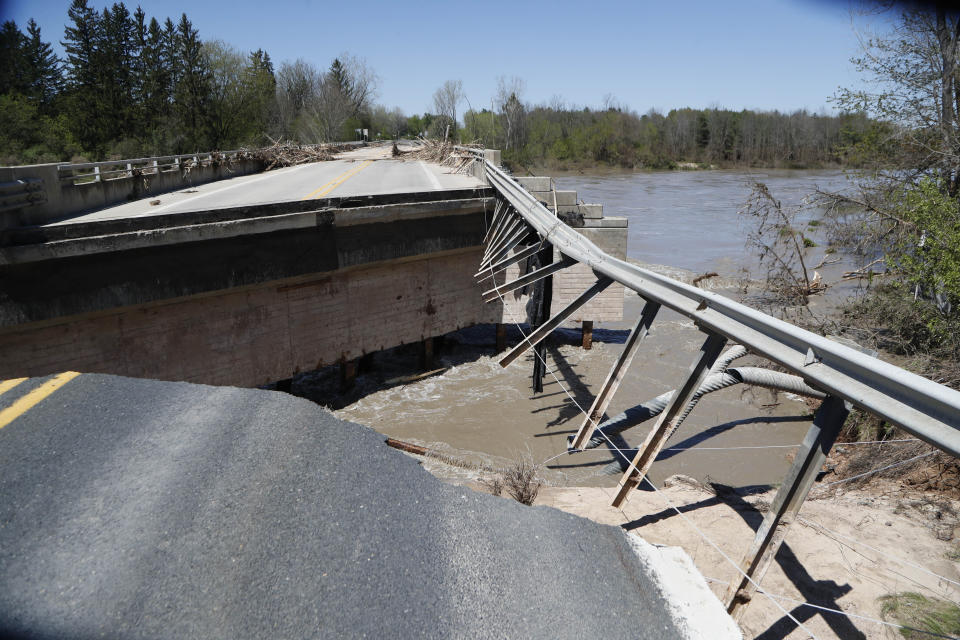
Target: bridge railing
87 172
848 377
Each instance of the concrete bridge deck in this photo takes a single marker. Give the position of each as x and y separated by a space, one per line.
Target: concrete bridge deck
365 171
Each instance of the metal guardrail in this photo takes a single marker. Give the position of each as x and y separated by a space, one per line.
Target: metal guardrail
930 411
21 193
921 407
114 169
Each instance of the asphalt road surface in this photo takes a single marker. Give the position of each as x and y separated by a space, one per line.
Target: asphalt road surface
141 509
365 171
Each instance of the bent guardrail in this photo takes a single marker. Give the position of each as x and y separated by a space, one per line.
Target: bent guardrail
930 411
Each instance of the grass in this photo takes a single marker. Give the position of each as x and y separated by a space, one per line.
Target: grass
521 481
921 614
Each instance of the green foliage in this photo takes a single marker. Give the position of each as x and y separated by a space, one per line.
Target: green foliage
584 137
929 257
900 324
921 613
129 85
29 137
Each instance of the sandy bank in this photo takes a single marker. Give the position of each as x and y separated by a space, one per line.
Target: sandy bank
824 559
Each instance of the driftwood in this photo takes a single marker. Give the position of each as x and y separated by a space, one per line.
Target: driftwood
288 154
442 152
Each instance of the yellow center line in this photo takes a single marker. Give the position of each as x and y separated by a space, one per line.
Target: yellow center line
333 184
27 402
6 385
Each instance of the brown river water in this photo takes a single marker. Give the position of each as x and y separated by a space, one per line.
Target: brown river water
475 412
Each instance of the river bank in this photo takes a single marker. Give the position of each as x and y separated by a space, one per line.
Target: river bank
847 550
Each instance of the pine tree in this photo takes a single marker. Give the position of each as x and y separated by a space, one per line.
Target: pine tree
262 87
80 43
341 79
117 71
44 68
13 61
192 88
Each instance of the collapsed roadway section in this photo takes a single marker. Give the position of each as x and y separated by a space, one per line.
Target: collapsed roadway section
144 509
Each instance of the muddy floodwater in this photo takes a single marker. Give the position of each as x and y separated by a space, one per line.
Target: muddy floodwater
682 224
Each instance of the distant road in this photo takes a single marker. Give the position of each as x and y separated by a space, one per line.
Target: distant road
141 509
366 171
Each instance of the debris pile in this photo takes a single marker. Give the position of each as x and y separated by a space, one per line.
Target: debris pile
442 152
289 154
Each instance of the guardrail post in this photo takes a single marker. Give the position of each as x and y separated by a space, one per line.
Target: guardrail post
651 447
615 377
129 169
96 174
827 423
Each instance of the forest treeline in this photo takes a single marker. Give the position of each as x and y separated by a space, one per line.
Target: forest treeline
133 85
558 137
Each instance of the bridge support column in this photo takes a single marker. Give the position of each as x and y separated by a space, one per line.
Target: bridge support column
501 337
586 334
348 374
827 423
426 354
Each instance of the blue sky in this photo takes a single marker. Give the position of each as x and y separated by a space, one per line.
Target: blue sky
773 54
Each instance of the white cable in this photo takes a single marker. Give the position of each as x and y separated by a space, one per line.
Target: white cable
844 613
884 554
867 473
855 615
767 446
631 464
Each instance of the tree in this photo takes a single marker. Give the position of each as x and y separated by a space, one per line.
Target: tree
508 104
913 72
115 70
298 87
44 73
192 87
241 90
80 44
344 96
261 83
13 61
907 210
446 99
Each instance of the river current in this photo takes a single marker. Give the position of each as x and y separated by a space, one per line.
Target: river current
681 224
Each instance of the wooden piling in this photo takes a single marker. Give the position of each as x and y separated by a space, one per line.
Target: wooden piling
426 354
586 334
348 374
